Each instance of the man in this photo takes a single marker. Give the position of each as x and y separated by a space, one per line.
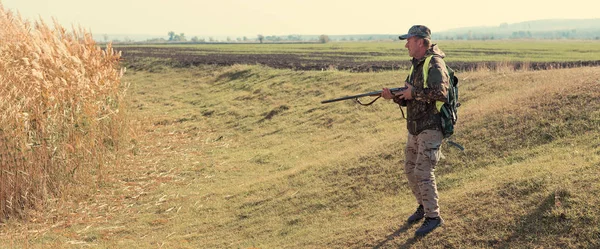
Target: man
423 122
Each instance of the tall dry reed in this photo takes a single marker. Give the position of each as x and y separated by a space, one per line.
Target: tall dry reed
61 111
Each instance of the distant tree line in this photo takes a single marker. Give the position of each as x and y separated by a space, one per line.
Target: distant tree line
181 37
486 34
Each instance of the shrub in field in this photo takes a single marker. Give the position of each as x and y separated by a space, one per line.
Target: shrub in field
60 117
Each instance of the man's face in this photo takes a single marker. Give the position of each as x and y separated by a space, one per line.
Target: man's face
412 44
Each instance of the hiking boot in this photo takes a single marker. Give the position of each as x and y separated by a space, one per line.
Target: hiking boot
428 225
419 214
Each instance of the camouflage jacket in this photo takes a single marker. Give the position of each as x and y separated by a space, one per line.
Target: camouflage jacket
421 110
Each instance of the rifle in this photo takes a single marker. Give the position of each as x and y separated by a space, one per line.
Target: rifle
378 94
372 94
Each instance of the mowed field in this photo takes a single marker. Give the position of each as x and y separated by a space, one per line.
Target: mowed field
245 156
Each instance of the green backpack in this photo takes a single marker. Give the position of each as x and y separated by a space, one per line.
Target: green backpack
448 111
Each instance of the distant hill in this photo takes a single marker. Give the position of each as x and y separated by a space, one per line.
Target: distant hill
538 29
588 29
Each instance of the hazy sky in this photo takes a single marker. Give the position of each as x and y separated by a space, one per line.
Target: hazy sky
283 17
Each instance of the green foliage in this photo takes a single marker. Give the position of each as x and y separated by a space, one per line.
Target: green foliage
176 37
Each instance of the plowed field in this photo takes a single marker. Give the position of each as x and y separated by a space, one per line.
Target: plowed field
136 57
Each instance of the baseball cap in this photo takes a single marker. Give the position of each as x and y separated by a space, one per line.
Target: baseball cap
417 30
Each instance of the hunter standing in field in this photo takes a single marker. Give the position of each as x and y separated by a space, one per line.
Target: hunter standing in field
424 88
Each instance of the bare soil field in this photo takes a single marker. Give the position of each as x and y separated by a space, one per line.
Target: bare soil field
136 58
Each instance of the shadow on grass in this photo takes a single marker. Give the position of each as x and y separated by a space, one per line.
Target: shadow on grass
229 76
397 233
538 225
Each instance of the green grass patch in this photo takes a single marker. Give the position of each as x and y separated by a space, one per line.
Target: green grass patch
247 157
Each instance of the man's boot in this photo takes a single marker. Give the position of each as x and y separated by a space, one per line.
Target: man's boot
419 214
428 225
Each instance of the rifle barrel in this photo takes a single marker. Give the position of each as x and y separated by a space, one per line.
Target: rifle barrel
373 94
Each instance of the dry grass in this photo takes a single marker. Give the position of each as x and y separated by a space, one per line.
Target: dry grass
60 113
246 157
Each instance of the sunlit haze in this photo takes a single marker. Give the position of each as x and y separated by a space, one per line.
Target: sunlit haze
285 17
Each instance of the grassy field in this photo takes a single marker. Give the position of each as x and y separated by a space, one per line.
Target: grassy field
245 156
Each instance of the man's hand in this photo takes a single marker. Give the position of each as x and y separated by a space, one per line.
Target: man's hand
407 93
387 94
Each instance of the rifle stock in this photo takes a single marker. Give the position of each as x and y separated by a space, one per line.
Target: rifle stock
372 94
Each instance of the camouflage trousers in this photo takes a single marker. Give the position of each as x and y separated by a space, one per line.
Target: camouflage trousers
422 154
